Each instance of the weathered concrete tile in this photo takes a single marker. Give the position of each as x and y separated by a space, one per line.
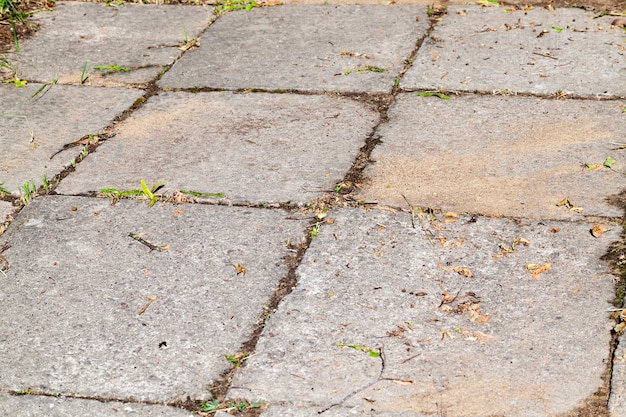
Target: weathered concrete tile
5 210
74 295
310 411
33 129
252 147
36 406
517 156
311 48
501 343
534 51
141 37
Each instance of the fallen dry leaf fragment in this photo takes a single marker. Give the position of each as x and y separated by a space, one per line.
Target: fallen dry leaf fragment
536 272
240 269
150 298
447 298
404 381
565 203
568 204
463 271
598 230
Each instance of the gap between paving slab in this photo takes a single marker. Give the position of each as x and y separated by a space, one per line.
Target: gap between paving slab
517 345
37 406
253 147
306 48
538 51
143 38
512 156
77 282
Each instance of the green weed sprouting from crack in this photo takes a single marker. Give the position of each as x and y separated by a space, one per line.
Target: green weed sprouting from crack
315 230
197 194
84 76
16 81
237 359
230 5
144 193
28 191
114 68
9 11
4 191
232 405
45 184
374 353
43 87
371 69
434 94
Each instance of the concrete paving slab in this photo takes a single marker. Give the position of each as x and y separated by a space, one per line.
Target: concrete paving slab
461 325
6 209
252 147
513 156
36 406
310 48
77 317
33 129
143 38
535 51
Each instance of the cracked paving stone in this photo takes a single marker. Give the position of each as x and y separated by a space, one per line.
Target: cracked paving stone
494 341
36 406
72 299
254 147
33 129
537 51
304 47
512 156
143 38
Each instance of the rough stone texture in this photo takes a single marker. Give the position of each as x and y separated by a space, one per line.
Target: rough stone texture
487 49
506 344
309 411
311 48
514 156
77 283
33 129
252 147
141 37
5 209
37 406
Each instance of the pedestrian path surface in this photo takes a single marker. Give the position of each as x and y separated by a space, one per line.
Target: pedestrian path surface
302 210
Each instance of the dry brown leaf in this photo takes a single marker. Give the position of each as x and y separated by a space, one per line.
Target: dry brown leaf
458 243
178 212
463 271
444 242
330 221
565 203
240 269
404 381
447 297
150 298
598 230
483 319
541 270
